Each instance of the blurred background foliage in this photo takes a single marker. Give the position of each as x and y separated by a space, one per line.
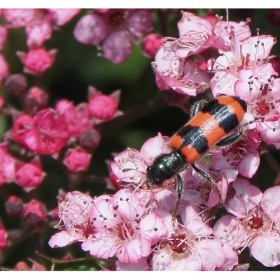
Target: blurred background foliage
145 114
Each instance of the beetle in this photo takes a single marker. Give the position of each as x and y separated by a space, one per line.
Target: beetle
209 126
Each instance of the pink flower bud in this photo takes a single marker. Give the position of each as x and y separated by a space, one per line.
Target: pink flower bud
29 176
77 160
103 107
151 45
14 205
37 61
35 100
89 140
3 237
35 212
16 84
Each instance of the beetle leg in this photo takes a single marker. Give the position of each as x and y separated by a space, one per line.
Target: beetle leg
210 179
229 139
179 191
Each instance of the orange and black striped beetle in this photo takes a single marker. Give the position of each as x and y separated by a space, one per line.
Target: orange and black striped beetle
210 125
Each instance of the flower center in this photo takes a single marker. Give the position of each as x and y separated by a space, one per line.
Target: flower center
262 108
178 243
255 222
125 231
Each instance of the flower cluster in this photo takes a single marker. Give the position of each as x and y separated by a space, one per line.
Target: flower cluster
115 30
138 224
169 204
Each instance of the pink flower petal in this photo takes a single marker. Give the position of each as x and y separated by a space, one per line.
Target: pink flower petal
129 207
141 265
250 164
271 203
154 147
227 227
134 250
62 239
211 253
266 249
230 257
153 227
101 246
246 198
193 221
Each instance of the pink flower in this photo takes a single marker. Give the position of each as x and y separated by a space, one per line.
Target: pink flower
35 213
39 23
243 155
253 222
115 30
122 228
37 61
46 133
77 160
151 45
181 75
14 205
265 111
190 247
245 69
38 31
76 117
103 107
74 223
29 175
35 99
89 139
194 31
196 34
198 191
16 84
130 166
